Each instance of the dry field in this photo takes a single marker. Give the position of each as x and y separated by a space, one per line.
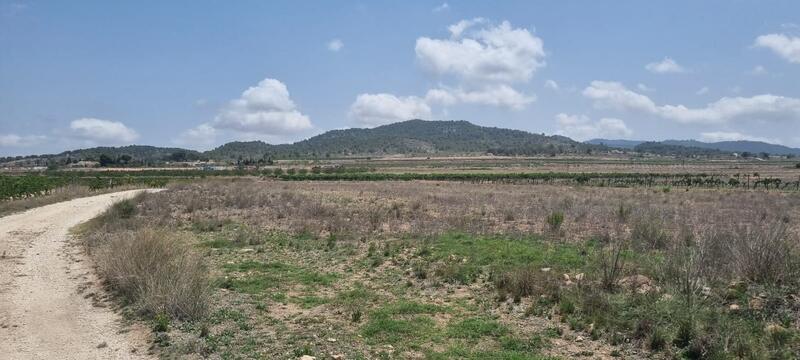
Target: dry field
440 270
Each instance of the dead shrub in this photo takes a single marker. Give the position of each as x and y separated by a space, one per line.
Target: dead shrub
156 272
764 253
649 232
528 281
611 262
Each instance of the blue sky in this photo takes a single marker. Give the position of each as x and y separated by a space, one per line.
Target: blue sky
200 73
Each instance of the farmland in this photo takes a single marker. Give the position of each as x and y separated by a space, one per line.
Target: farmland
361 260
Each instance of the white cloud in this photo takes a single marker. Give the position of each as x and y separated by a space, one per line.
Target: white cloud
644 87
494 53
702 91
265 109
551 84
442 7
717 136
335 45
14 140
458 28
614 95
202 135
580 127
758 70
493 95
787 47
379 109
664 66
103 131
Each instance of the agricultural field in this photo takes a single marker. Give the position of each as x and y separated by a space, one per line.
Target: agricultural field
364 265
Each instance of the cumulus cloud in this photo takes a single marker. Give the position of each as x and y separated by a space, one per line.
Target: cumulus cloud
581 127
14 140
335 45
614 95
785 46
493 95
551 84
442 7
265 109
664 66
494 53
479 66
202 135
644 87
716 136
759 70
102 131
379 109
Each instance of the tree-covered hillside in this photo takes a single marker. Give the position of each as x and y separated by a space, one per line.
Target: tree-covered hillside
409 137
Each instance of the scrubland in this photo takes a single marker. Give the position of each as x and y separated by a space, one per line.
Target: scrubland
245 268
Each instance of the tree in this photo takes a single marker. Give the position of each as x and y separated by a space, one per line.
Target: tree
105 160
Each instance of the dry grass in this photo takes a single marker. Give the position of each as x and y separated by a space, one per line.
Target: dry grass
301 262
65 193
424 208
155 271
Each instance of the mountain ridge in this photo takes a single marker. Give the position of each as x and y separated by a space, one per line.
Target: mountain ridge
738 146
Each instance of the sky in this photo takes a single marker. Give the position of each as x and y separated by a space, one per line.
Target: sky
197 74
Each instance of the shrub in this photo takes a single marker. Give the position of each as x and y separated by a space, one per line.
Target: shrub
649 232
124 209
764 254
555 219
155 272
528 281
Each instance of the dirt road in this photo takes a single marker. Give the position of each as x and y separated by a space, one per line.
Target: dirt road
50 304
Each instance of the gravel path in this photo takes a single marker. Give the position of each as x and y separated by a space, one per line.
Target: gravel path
51 306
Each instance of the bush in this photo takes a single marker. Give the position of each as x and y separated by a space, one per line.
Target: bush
555 219
528 281
649 233
155 272
125 209
764 254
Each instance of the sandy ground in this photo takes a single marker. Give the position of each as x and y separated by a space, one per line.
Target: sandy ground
51 306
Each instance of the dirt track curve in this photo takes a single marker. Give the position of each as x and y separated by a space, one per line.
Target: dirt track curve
51 306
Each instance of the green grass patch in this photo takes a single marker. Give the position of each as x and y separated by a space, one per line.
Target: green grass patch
466 256
402 323
477 327
261 276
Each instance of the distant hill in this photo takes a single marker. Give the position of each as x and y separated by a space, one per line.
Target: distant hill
754 147
661 148
412 137
409 137
621 144
132 155
741 146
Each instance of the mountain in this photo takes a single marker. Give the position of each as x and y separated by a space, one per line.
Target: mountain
662 148
409 137
131 155
621 144
740 146
412 137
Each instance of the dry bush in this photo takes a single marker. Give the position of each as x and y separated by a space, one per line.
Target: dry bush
611 262
649 233
155 272
528 281
764 254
